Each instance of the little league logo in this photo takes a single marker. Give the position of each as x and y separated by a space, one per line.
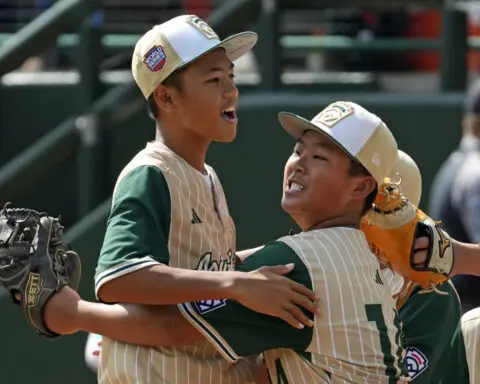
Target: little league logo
203 27
333 114
155 58
416 362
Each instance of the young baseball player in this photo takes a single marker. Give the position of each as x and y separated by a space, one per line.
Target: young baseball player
170 237
433 340
329 183
470 328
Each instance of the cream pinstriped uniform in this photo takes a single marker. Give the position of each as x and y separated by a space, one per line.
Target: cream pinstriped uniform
354 302
209 244
471 337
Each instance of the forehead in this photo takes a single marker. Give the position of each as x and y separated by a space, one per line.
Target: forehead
216 58
313 138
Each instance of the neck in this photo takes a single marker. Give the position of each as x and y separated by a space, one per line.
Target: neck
348 220
186 144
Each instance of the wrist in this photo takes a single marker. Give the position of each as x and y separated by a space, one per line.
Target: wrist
233 285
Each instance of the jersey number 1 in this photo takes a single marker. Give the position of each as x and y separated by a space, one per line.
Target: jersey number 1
374 313
281 375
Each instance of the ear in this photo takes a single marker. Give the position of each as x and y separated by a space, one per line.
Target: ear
363 187
163 98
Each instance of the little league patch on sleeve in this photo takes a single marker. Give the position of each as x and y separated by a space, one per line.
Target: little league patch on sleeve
155 58
205 306
416 361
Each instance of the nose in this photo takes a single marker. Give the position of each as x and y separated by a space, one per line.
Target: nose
298 164
231 90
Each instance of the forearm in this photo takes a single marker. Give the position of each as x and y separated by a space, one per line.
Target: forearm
467 259
164 285
151 326
242 255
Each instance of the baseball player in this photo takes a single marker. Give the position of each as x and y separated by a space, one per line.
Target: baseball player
170 237
437 347
356 337
470 327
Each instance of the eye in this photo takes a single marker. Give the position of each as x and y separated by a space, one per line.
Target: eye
296 152
232 76
214 80
320 157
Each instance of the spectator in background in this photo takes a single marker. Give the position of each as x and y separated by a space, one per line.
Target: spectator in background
455 196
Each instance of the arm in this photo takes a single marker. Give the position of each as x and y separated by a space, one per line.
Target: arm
237 331
133 264
467 259
66 313
152 326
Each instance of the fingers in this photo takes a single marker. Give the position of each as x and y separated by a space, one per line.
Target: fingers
300 288
305 303
421 243
288 317
299 315
278 269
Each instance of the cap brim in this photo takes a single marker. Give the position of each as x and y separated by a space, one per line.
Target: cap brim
296 126
235 46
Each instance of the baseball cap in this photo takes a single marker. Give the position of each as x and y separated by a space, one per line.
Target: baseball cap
362 135
177 42
406 173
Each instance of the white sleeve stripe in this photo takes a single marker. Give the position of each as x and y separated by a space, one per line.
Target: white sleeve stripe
201 325
122 270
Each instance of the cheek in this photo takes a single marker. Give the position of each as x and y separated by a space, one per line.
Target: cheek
330 188
288 169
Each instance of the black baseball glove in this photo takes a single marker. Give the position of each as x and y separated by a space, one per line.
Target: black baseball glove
35 261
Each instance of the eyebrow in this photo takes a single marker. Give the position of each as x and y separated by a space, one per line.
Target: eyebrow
319 144
215 69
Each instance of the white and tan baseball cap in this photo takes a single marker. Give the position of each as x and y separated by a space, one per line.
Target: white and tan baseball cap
179 41
360 134
406 174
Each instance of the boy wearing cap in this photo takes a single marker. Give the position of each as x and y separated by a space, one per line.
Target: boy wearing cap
329 184
169 215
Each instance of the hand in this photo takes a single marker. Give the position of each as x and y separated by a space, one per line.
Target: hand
265 290
420 251
60 312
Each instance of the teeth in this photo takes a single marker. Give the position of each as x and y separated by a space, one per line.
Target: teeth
296 187
231 109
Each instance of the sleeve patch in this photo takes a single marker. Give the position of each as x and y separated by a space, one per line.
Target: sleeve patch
416 361
205 306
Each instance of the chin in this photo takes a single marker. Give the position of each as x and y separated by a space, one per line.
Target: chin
287 205
226 135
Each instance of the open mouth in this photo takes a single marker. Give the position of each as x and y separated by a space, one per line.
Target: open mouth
294 186
230 115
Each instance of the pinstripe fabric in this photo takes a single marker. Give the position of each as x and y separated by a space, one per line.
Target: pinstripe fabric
202 235
471 337
346 340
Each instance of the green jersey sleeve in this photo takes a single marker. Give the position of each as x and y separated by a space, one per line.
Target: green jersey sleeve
237 331
138 226
430 323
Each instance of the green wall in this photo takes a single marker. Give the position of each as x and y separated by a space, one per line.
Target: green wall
426 126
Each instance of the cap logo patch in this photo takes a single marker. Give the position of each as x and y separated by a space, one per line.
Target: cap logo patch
333 114
203 27
155 59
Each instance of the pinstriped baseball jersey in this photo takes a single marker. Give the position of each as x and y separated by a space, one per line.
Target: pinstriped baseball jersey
355 338
165 211
471 337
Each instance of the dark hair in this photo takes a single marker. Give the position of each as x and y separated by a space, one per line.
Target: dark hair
357 169
173 81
